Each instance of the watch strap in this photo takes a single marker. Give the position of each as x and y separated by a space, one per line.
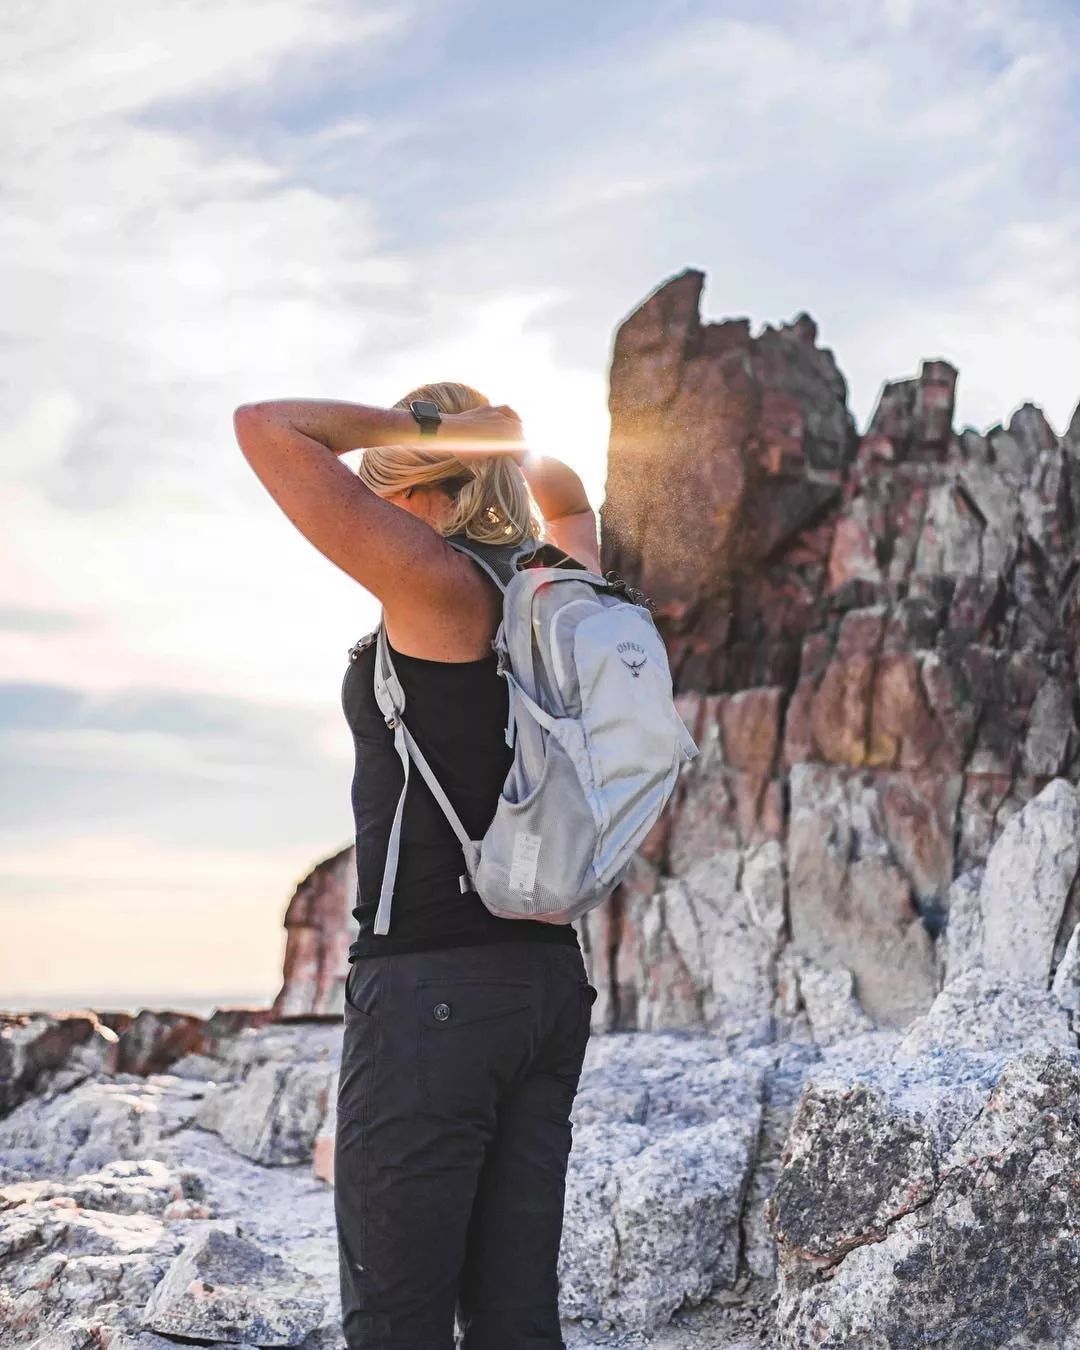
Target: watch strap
429 422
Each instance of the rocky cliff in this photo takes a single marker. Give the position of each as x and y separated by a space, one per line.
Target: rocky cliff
874 641
318 927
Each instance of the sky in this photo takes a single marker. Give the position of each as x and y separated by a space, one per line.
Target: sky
208 202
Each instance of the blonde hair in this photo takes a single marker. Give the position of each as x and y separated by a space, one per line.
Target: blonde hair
492 502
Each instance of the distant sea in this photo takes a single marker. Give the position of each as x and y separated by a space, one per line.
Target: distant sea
200 1004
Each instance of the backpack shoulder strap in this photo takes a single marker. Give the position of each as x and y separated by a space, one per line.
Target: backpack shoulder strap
499 561
391 700
550 555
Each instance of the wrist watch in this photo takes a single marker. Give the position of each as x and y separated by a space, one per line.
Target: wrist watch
427 414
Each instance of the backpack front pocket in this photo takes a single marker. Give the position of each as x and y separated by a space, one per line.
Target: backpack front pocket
628 723
537 855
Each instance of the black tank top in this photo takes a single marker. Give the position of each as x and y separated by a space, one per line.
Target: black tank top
456 712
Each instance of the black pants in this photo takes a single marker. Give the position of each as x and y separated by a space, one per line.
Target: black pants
458 1073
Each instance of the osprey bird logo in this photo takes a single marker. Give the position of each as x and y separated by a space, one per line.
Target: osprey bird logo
633 666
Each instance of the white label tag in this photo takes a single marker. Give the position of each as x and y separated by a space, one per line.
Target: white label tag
523 863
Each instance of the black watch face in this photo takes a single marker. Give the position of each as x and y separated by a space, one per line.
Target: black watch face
423 407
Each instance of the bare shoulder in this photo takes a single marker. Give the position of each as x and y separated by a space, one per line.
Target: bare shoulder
452 620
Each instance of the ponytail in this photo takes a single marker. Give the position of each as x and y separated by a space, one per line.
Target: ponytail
492 501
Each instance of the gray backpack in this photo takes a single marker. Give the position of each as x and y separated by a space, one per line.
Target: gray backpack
597 739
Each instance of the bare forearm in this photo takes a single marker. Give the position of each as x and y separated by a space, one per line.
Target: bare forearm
342 426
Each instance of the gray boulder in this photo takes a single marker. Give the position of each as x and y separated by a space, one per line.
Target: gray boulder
1029 872
94 1124
86 1254
665 1128
224 1287
957 1225
274 1114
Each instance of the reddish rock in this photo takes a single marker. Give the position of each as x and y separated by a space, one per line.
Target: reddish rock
907 602
641 950
38 1050
319 928
226 1022
322 1156
599 932
155 1039
903 730
918 814
853 554
751 730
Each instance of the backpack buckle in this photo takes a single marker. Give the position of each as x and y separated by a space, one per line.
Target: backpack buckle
361 645
620 586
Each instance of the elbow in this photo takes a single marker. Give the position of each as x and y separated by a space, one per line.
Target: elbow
248 425
247 412
247 418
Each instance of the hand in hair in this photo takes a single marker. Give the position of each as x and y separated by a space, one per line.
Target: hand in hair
483 431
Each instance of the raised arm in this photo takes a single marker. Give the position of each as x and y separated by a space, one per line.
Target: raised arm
293 445
560 495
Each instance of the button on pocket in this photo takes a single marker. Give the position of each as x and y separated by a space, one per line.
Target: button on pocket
473 1035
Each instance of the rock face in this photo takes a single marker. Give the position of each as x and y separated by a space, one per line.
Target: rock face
906 1219
97 1244
929 1192
39 1053
44 1054
319 927
271 1092
113 1257
155 1039
873 640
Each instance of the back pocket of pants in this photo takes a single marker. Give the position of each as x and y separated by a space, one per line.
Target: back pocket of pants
473 1034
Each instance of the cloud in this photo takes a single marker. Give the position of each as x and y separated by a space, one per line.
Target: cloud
147 268
180 763
18 619
857 160
1015 337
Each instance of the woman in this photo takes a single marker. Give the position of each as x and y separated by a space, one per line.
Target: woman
464 1033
